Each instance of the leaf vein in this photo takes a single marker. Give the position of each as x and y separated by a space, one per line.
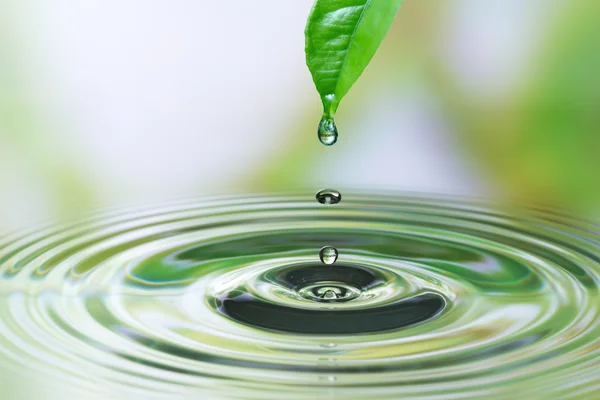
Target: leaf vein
362 14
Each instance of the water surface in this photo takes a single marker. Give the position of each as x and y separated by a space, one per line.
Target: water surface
227 299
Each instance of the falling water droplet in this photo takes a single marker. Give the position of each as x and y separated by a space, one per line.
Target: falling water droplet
328 196
328 133
328 255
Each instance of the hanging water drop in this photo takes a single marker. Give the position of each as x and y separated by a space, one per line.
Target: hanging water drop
328 255
328 133
328 196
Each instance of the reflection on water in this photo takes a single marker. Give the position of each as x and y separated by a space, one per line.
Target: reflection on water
226 299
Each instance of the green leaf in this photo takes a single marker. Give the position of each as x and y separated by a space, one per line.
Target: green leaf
341 38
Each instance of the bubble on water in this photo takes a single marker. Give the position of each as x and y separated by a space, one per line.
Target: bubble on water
328 255
328 196
330 291
330 294
328 133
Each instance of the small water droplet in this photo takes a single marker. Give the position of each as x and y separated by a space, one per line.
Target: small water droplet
328 133
328 196
328 255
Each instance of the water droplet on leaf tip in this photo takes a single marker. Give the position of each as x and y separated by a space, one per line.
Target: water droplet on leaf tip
328 133
328 196
328 255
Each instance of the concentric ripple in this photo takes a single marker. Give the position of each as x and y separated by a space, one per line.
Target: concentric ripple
227 299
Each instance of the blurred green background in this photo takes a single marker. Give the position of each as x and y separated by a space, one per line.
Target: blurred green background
107 103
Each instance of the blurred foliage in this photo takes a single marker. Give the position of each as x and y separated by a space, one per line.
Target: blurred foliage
23 131
541 144
538 143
